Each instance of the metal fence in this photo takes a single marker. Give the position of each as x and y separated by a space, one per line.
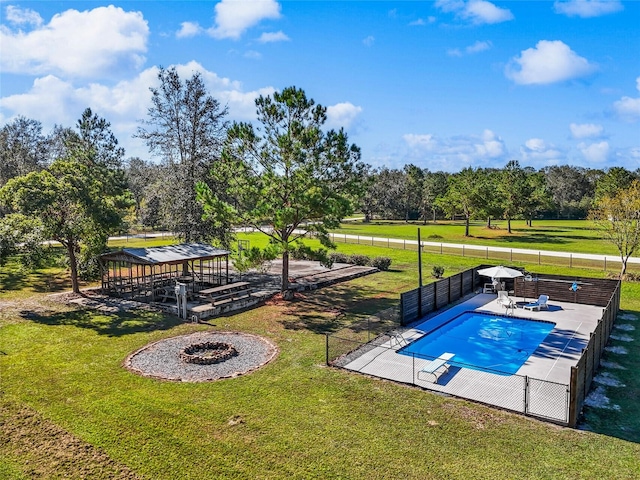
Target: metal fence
584 371
530 396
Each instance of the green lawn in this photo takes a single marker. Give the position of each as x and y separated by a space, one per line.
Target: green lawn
69 409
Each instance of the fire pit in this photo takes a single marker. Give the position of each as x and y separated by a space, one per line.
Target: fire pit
202 356
208 353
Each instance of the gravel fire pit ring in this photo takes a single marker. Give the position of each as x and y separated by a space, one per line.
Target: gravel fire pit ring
207 353
162 359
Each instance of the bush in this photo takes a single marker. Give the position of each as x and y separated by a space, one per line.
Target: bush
361 260
381 263
336 257
437 271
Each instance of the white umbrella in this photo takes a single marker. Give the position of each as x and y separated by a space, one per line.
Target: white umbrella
500 272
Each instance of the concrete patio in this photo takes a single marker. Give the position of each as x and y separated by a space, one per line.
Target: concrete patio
540 386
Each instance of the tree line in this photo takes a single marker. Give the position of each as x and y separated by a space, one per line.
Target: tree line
206 175
513 192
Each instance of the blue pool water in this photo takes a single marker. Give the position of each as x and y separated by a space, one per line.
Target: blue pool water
483 341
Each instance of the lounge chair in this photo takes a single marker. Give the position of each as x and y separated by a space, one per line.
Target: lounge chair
538 304
436 368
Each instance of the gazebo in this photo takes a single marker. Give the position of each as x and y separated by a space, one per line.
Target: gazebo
150 274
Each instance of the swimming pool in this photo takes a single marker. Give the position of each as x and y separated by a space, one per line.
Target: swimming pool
483 341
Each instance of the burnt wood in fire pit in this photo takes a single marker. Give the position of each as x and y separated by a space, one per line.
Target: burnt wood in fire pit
207 353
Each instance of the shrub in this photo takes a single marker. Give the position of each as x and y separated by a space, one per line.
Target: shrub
437 271
361 260
381 263
337 257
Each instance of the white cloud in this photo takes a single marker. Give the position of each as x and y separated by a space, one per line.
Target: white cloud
22 16
587 8
242 105
455 152
421 22
342 115
91 43
549 62
189 29
252 54
52 100
595 152
537 151
369 41
478 12
477 47
585 130
628 108
234 17
270 37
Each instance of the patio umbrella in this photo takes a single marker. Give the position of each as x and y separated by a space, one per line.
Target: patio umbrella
500 272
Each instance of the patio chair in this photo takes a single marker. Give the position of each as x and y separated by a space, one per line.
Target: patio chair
503 297
488 288
505 301
437 367
538 304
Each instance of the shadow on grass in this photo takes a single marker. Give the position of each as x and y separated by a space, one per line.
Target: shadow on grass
538 238
49 277
613 408
337 307
114 324
38 281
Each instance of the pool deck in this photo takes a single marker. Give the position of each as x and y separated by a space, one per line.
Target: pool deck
551 362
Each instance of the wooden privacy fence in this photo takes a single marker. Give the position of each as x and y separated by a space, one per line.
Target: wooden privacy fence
429 298
561 288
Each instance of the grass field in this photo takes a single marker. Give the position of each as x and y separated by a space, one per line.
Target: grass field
69 409
560 235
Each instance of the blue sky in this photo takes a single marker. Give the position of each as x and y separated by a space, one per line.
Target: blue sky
443 85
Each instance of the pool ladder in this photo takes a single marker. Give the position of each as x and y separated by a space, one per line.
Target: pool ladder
399 340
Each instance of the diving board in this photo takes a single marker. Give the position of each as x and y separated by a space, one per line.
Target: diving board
436 367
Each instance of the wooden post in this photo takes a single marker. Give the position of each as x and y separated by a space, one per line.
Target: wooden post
326 336
573 398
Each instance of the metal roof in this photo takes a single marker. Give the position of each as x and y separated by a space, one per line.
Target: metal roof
168 254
